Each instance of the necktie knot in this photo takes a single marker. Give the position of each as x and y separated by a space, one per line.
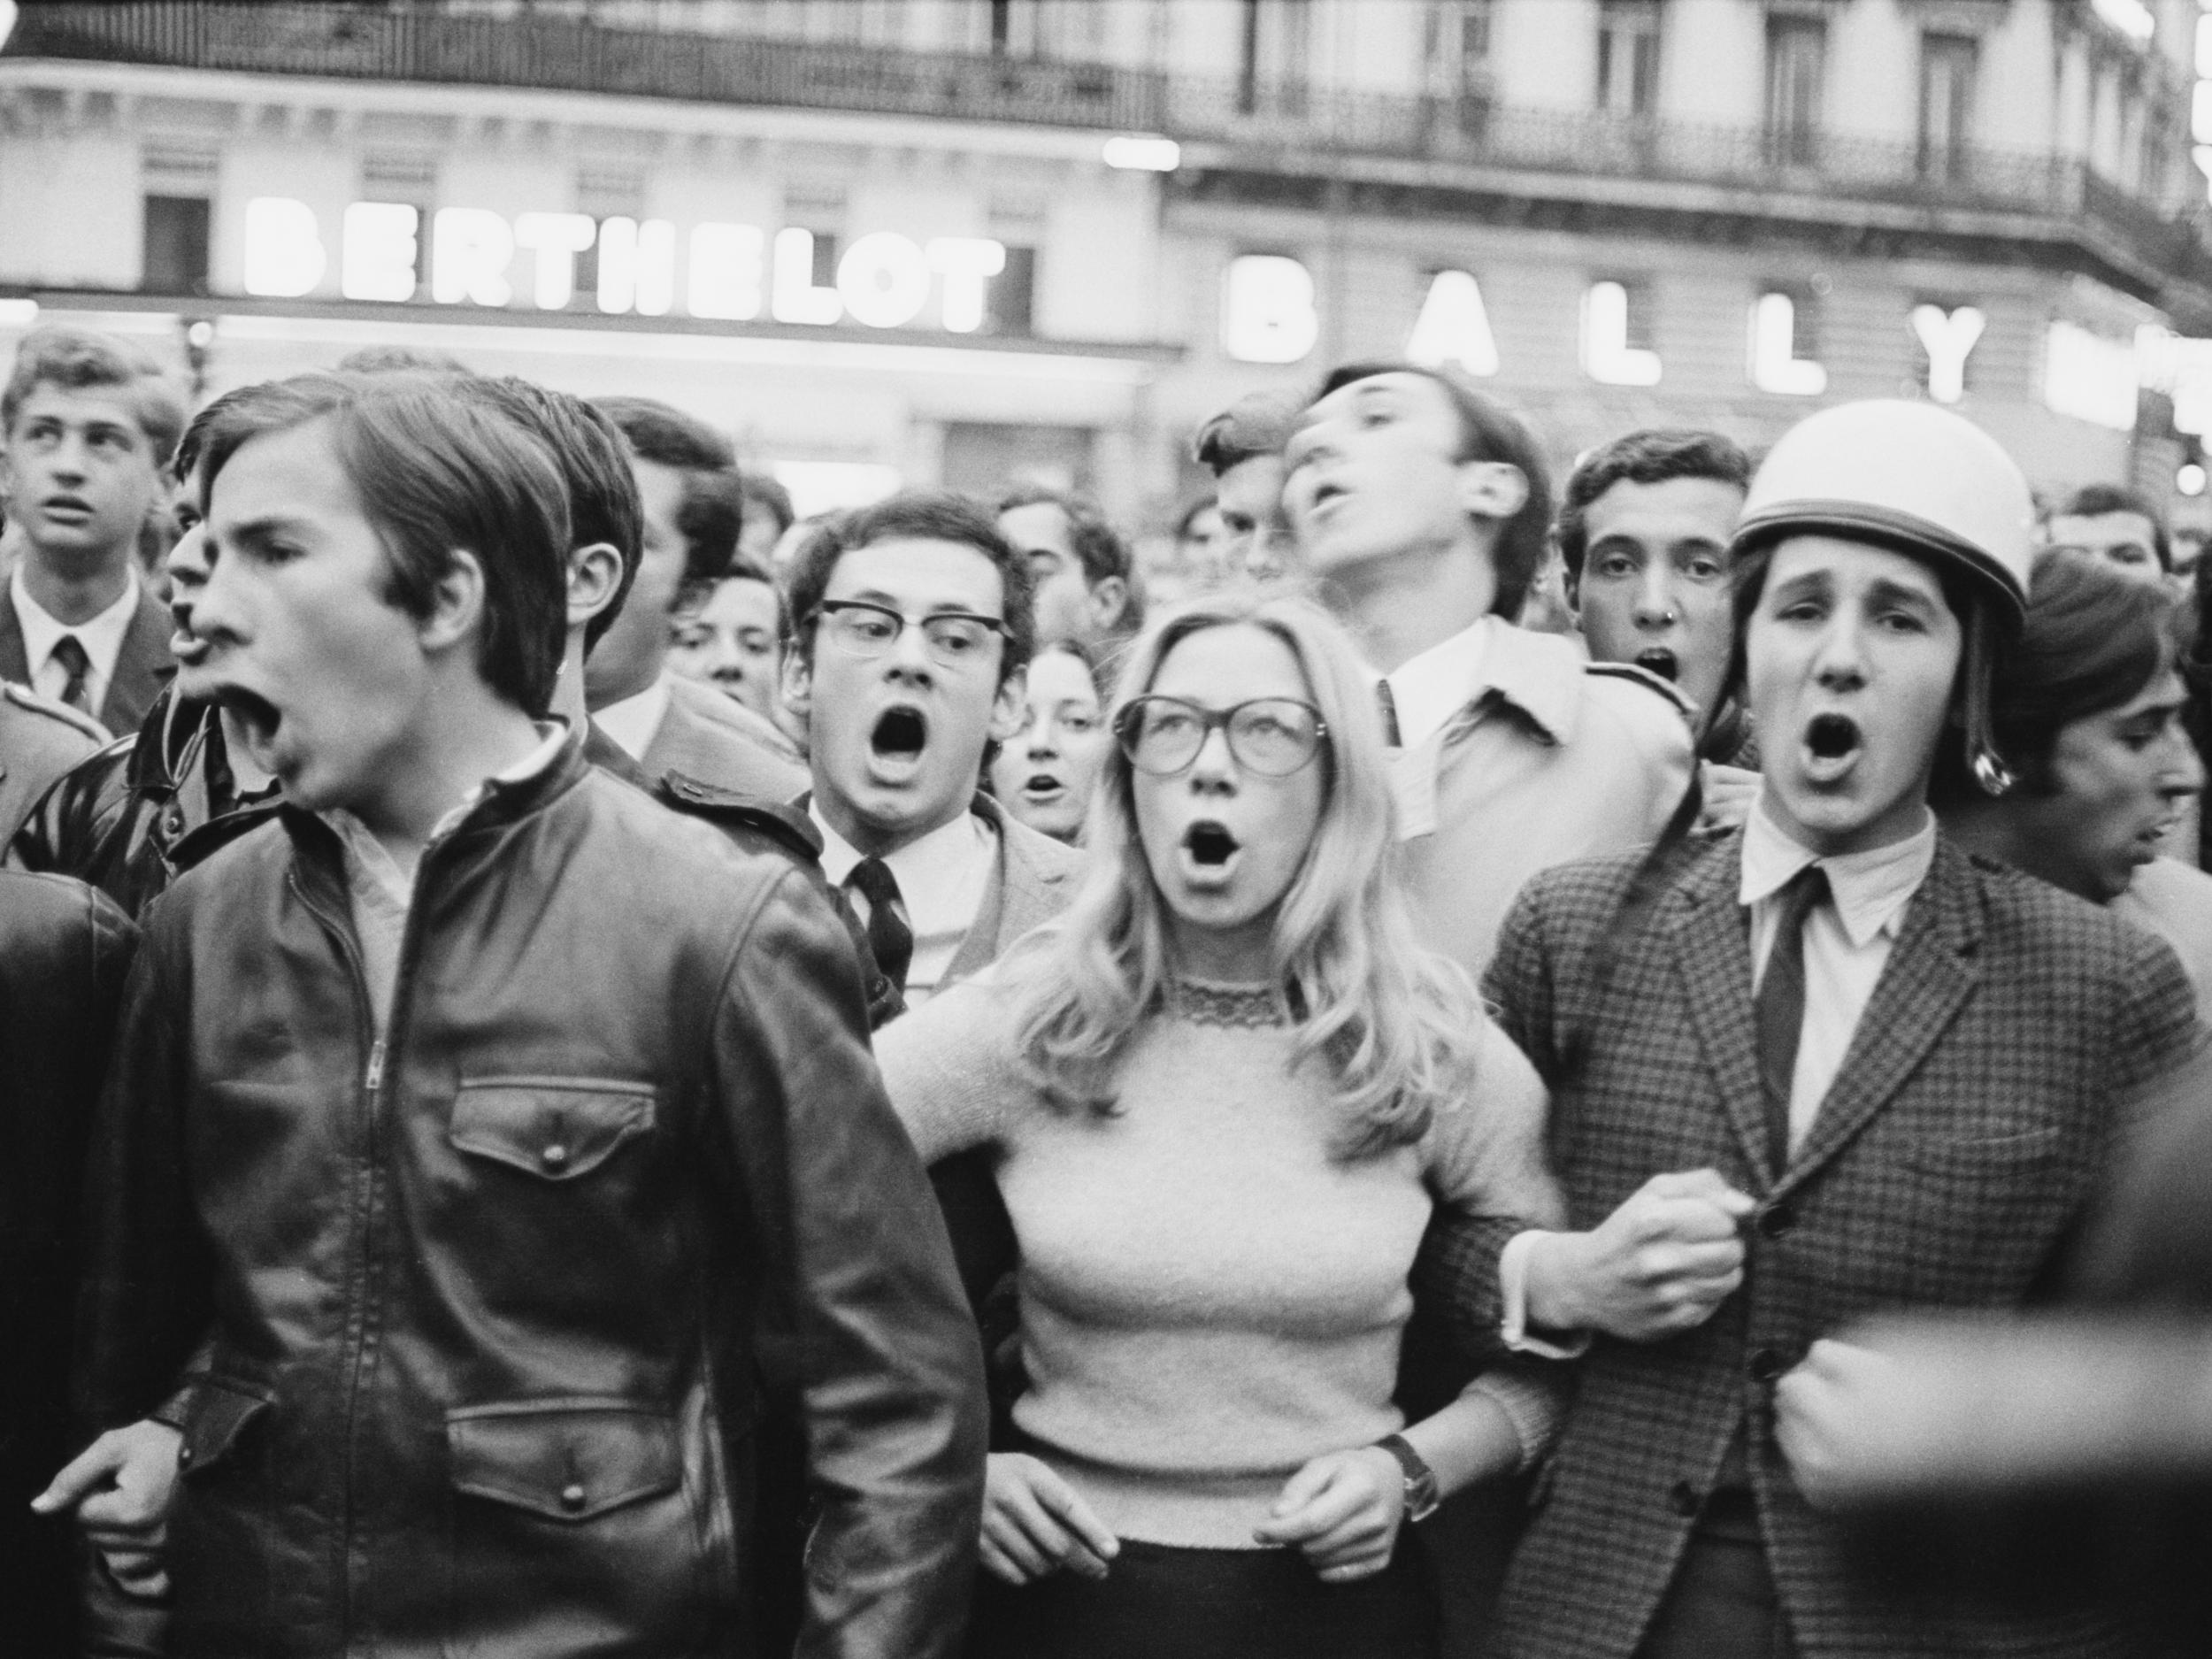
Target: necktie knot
889 938
69 653
1806 892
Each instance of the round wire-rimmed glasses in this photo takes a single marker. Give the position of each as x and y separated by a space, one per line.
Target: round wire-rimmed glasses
1270 736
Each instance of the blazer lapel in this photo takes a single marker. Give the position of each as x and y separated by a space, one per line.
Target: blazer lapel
15 661
1931 971
1712 947
142 667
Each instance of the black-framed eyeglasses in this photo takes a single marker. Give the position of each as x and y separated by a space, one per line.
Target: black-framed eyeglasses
860 628
1271 736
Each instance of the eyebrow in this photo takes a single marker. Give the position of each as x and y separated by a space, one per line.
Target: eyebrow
257 531
885 602
1885 590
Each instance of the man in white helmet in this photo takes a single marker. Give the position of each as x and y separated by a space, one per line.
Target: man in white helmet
1821 1064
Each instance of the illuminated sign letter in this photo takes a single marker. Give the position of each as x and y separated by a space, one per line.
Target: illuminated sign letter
1267 313
796 299
2090 377
1775 364
284 248
471 248
727 272
884 280
378 262
1607 357
637 267
1947 337
967 264
556 239
1454 326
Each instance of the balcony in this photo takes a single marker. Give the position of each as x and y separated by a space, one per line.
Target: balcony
1473 144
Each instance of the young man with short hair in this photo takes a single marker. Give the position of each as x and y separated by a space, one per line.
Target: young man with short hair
728 639
89 423
1079 569
570 1097
1242 447
686 479
2117 524
1823 1065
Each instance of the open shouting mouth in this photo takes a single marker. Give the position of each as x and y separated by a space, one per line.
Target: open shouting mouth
1833 743
896 742
1660 661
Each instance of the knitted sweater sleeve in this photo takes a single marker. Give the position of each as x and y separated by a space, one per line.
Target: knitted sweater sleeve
951 1069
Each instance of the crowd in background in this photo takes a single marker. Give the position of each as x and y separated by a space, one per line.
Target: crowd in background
601 1068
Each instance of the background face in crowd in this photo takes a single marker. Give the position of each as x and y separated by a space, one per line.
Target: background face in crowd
1373 472
2127 540
1041 533
2118 780
1265 824
1852 655
81 474
322 674
1654 589
730 642
1250 498
1045 772
896 742
629 655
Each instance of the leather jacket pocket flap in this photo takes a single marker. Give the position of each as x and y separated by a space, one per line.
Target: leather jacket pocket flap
210 1423
555 1128
566 1462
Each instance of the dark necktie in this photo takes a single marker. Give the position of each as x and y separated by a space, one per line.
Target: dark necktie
1387 702
70 653
1779 1008
889 937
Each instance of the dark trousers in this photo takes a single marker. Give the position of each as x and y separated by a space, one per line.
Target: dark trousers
1722 1604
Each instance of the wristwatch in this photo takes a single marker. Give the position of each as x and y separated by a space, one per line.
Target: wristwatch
1421 1494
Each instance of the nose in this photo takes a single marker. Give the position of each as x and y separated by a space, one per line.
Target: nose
1044 737
188 559
724 659
2181 773
1840 660
1213 770
909 658
1654 598
218 608
67 464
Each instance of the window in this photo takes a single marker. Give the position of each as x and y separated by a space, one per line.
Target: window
1947 63
176 244
1271 57
1628 57
1009 304
1069 30
1797 59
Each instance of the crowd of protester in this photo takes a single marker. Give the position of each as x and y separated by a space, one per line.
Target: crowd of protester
595 1067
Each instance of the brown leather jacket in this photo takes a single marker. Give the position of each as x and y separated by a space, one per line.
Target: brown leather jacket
489 1296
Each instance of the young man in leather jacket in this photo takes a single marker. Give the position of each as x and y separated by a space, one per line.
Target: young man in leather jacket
472 1117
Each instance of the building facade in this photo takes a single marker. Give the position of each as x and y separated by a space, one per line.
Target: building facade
941 240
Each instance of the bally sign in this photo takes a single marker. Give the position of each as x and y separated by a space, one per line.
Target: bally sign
733 273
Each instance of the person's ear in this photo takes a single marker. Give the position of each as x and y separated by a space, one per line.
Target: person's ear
595 576
1109 598
1010 708
798 678
457 605
1492 489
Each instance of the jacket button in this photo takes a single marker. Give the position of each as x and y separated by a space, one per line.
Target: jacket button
1682 1499
571 1497
173 821
554 1157
1777 1220
1764 1366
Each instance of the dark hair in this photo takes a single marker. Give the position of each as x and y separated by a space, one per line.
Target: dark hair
931 515
2094 501
602 499
78 359
2095 638
401 360
1651 456
764 492
1257 423
1488 430
1095 541
436 471
712 510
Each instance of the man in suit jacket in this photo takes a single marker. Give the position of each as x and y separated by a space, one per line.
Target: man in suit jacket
90 423
1824 1064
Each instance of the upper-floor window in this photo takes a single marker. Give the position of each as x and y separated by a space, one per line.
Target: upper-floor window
176 243
1948 69
1797 66
1628 57
1273 39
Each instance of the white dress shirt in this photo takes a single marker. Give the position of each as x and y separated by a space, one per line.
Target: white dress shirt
634 722
102 638
1847 944
1429 689
943 878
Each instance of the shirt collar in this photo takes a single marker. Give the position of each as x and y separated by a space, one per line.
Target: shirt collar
936 861
102 635
1870 888
1540 675
369 857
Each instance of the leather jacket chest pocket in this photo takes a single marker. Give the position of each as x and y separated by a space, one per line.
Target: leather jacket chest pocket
558 1129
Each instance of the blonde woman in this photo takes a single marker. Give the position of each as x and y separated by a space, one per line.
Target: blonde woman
1223 1097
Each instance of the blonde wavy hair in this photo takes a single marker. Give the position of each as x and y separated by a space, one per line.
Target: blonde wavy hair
1394 1027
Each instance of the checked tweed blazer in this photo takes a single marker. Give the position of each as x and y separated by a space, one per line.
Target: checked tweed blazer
1959 1141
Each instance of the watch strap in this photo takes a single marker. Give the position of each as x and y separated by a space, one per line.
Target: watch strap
1422 1496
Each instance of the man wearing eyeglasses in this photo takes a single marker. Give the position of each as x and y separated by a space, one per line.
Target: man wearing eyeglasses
912 622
